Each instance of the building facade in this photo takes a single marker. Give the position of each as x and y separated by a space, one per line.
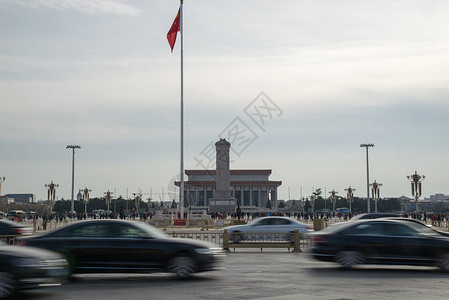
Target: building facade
22 198
251 188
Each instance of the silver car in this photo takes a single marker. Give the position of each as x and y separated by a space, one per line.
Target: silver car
274 228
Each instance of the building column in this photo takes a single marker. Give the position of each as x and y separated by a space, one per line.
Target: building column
250 196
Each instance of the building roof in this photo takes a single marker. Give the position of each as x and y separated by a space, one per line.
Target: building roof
232 183
233 172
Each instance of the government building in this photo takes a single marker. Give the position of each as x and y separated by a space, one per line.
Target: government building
251 188
223 189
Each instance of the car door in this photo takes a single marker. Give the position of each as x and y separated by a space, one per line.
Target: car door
368 238
89 245
134 249
408 245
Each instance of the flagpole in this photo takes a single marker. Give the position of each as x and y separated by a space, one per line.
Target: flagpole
181 186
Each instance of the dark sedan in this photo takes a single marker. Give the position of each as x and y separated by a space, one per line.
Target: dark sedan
382 241
26 267
9 230
126 246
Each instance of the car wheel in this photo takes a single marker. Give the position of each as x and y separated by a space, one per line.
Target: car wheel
348 259
443 262
236 237
7 284
182 266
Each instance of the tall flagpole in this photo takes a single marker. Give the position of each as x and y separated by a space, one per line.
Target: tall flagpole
181 187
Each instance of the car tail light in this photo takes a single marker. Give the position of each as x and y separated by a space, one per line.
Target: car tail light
22 230
319 239
21 243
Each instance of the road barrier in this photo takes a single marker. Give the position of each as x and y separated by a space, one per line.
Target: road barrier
262 240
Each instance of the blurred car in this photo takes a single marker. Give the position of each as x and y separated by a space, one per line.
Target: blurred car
375 216
381 241
123 246
9 230
26 267
268 225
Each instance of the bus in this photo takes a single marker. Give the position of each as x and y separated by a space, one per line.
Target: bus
16 215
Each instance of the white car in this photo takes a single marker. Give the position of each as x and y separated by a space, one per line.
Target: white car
268 228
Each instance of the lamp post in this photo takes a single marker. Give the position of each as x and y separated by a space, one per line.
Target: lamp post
416 181
375 192
73 147
137 200
333 200
51 194
85 199
2 179
350 197
312 202
303 203
316 195
108 199
367 174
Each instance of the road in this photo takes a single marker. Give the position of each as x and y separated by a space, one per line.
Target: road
250 274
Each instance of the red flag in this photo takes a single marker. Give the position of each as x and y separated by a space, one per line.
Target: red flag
172 33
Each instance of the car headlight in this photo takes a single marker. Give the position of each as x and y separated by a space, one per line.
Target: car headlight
204 251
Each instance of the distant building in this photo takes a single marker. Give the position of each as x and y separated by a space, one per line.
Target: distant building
22 198
224 189
438 198
251 188
5 200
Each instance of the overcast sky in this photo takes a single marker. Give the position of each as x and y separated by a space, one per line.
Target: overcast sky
325 75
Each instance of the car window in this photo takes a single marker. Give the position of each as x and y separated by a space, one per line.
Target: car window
263 222
400 230
87 230
366 229
280 221
128 231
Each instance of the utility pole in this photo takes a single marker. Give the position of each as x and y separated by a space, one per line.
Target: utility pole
73 147
367 175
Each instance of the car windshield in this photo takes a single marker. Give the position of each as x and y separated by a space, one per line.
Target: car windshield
152 231
336 227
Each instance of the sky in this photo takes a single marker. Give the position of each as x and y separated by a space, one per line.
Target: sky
296 86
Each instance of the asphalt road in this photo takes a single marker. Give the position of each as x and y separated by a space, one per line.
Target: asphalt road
250 274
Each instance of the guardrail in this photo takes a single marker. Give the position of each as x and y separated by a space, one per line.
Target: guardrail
8 239
262 240
229 240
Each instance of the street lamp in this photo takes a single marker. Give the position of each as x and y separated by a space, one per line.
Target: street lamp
350 197
367 174
416 181
51 194
85 199
108 199
137 200
315 195
333 199
312 202
2 179
73 147
303 203
375 192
